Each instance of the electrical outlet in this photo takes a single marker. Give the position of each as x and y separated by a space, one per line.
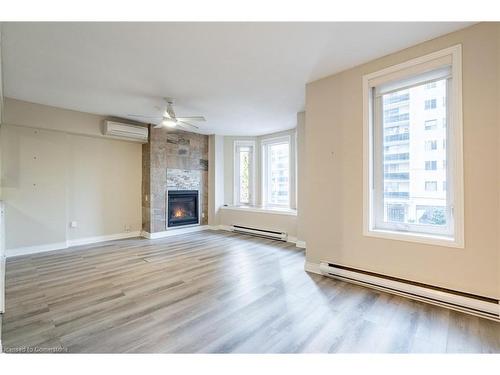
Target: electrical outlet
127 228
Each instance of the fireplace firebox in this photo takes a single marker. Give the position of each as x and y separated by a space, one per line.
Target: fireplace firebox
182 207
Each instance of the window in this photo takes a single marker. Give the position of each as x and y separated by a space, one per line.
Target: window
430 104
396 212
431 186
430 145
430 124
244 172
402 200
395 167
431 215
431 165
276 171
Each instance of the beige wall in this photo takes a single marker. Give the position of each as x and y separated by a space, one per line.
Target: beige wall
498 153
34 180
2 226
301 176
215 178
51 177
22 113
334 136
104 186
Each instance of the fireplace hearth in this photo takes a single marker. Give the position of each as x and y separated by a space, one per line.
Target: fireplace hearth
182 208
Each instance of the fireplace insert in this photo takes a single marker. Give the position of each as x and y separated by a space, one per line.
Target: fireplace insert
182 207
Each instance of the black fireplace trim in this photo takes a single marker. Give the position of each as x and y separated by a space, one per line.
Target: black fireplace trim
182 193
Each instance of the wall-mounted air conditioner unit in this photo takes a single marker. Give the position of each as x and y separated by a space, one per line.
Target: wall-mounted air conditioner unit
127 132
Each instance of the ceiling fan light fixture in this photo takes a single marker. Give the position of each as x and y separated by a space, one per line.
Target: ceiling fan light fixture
169 122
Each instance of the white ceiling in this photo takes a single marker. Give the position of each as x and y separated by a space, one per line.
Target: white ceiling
245 78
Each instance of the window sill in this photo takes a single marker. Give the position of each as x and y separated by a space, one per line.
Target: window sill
267 210
427 239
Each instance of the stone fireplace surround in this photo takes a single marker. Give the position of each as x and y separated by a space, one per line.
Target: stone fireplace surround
172 160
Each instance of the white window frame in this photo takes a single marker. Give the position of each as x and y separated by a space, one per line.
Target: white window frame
266 143
251 182
454 150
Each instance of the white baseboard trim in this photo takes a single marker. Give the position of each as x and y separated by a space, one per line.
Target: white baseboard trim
66 244
312 267
175 232
2 289
301 244
297 242
97 239
35 249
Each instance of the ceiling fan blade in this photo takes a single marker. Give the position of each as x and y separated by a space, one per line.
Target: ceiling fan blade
143 116
187 123
191 118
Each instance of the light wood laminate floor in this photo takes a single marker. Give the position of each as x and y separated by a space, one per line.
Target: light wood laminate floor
215 292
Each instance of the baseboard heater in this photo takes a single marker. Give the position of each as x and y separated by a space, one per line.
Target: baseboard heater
469 303
281 236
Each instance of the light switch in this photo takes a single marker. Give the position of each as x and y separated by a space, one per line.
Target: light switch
73 224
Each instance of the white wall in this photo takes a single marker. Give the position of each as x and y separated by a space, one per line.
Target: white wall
51 177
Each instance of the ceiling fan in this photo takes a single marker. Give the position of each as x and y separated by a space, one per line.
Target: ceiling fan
170 120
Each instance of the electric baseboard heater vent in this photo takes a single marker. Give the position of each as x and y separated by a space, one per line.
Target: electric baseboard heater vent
469 303
281 236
